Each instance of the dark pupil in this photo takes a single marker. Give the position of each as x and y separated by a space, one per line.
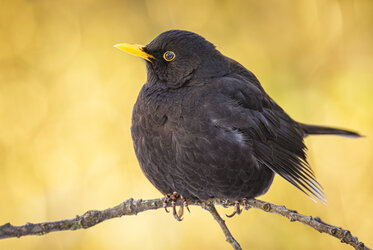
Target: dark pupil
169 55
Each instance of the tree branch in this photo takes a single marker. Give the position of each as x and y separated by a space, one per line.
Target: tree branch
228 236
133 207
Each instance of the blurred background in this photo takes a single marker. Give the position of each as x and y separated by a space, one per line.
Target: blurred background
66 98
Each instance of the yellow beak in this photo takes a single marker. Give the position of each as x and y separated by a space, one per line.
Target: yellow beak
134 49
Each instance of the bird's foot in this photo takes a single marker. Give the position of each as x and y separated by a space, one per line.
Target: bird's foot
245 203
173 198
237 210
238 207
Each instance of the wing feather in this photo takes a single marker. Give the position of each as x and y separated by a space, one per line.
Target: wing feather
276 139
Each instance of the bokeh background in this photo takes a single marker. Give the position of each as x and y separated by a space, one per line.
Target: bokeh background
66 98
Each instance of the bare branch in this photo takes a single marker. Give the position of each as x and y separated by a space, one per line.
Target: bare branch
133 207
316 223
228 236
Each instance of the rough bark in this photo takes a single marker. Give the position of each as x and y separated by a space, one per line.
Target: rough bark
133 207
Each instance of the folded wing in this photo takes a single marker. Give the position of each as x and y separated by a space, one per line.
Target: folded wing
276 140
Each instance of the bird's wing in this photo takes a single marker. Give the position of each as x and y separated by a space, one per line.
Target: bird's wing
275 139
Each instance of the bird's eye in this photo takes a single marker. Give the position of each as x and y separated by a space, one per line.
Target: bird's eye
169 56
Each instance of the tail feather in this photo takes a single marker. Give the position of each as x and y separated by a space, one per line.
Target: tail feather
321 130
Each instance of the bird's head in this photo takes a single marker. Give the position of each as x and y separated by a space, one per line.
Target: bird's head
177 57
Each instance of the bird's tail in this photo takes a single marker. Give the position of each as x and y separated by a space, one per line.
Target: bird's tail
321 130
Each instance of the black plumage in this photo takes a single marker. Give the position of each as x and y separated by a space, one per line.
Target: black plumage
204 127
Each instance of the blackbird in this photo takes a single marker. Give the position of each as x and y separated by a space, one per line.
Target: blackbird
203 127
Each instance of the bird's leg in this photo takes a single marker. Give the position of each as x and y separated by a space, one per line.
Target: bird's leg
236 211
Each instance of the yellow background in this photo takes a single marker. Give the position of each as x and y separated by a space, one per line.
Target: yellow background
66 98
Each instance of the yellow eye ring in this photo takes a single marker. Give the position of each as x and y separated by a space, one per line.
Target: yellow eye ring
169 56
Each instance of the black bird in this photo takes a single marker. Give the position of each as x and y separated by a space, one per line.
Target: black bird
203 127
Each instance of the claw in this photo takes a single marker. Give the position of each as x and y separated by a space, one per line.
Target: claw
165 203
236 211
173 204
231 215
185 203
187 207
245 204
